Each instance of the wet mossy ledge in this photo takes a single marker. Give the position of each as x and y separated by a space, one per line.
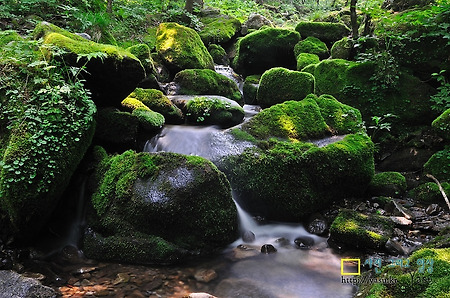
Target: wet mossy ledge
288 176
158 208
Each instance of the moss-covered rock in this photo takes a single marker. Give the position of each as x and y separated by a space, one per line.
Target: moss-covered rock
156 101
116 130
388 184
158 208
148 120
45 130
354 84
9 35
305 59
250 89
181 48
423 274
111 72
142 52
219 29
361 231
289 180
439 165
279 84
442 125
207 82
218 54
310 118
342 49
429 192
214 110
326 32
311 45
264 49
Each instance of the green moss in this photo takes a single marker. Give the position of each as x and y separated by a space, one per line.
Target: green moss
442 124
331 76
296 120
181 48
342 49
264 49
361 231
239 134
183 201
218 54
250 89
156 101
116 127
279 84
207 82
149 120
388 184
84 46
311 45
287 181
44 28
8 36
219 29
214 111
142 52
342 118
439 165
305 59
327 32
130 104
150 37
429 192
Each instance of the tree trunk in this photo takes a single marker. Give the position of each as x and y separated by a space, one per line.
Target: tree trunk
109 6
189 7
353 20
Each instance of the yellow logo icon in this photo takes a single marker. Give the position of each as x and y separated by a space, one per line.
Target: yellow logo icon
350 266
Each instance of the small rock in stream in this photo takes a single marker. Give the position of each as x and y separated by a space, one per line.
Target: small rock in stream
317 225
395 248
205 275
268 249
433 209
304 242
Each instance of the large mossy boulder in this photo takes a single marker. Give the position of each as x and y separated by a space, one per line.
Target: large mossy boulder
429 192
442 125
143 53
156 101
439 165
45 130
305 59
219 29
265 49
361 231
214 110
279 84
158 208
387 184
326 32
111 72
311 45
354 84
181 48
207 82
289 176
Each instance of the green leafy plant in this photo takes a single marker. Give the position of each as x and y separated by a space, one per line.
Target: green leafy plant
441 100
380 123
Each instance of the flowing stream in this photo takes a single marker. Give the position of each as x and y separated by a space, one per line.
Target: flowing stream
290 272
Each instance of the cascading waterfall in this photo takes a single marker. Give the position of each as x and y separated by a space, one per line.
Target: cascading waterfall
290 272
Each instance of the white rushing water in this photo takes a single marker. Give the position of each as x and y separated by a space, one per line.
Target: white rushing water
290 272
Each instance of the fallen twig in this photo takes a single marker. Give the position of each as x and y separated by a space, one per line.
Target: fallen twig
440 188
